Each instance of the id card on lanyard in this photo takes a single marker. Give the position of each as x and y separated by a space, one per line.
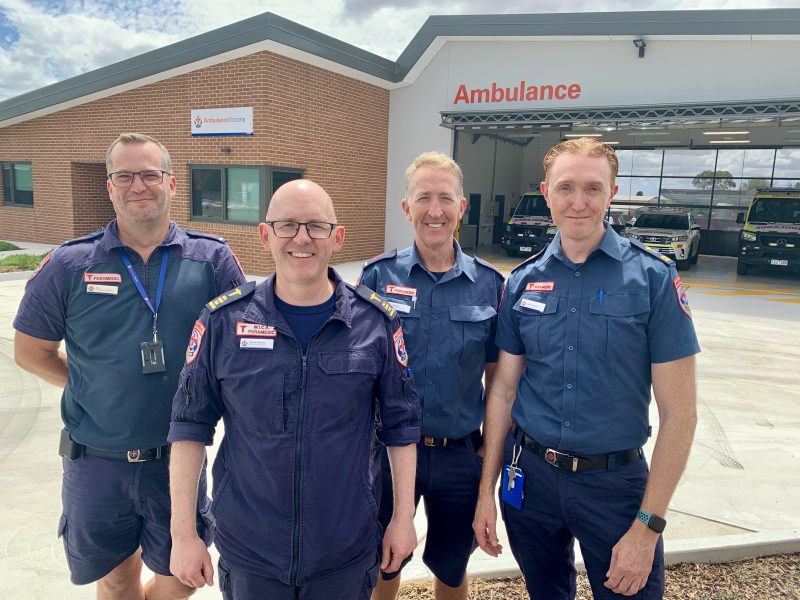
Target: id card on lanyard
153 349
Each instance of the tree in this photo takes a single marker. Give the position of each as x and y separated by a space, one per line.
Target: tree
754 184
704 180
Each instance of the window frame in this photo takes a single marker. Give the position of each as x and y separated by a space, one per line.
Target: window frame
11 185
264 181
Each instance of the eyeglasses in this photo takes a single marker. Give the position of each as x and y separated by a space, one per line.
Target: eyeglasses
123 179
317 230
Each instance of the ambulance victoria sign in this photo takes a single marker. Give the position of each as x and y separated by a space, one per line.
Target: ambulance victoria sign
222 121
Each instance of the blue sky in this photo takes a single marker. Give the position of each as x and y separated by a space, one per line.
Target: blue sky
46 41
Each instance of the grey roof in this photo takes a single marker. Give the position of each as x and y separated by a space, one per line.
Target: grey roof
269 26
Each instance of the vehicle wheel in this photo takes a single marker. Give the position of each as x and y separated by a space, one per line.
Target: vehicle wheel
511 252
683 265
696 256
741 268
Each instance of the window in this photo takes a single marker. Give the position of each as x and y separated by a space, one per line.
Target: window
236 194
17 184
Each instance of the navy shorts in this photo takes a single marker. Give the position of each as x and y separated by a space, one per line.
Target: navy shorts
112 507
594 507
351 583
447 480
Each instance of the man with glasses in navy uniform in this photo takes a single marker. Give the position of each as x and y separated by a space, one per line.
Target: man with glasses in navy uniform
123 299
297 367
586 327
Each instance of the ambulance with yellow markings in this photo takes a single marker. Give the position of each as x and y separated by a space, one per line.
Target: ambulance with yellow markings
770 236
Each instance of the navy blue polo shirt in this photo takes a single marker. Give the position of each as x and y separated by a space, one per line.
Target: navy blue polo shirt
589 334
449 323
84 295
292 498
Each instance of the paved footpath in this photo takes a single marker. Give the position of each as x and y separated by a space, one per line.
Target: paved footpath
738 496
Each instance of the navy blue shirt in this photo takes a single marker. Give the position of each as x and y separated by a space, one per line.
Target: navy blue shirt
84 295
589 334
292 497
305 321
449 325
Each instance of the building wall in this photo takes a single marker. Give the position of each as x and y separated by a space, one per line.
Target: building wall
333 127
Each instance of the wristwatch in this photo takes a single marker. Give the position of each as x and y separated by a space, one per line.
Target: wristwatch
654 522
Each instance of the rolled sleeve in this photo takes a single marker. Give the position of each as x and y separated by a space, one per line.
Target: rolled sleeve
41 312
398 404
197 406
671 334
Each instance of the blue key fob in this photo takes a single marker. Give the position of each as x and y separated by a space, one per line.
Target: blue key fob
511 486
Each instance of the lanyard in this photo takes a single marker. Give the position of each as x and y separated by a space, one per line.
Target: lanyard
138 283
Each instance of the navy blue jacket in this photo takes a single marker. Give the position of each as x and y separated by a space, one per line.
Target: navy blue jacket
292 499
84 295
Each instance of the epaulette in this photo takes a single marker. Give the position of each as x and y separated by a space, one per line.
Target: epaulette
92 236
651 252
384 256
487 264
377 301
532 258
231 296
200 234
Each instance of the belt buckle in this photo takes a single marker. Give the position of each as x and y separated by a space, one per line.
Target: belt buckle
428 441
551 456
134 456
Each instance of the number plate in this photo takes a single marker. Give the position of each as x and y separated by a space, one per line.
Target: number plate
525 248
779 263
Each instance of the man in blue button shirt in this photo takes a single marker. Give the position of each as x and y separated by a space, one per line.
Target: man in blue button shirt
586 328
447 302
297 368
123 299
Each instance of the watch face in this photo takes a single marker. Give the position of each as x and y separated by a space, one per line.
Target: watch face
657 524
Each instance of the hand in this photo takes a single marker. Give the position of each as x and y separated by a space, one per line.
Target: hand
399 541
632 560
190 562
485 526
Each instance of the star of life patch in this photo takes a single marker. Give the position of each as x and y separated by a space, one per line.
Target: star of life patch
257 330
400 348
45 260
195 340
683 301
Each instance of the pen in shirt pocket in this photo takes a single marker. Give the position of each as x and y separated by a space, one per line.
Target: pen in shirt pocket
600 297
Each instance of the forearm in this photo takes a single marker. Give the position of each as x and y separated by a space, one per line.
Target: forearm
495 428
41 358
185 465
403 461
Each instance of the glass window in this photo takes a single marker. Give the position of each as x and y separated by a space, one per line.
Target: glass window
637 189
281 177
243 195
685 191
207 193
755 164
625 160
18 184
786 183
688 163
787 162
647 162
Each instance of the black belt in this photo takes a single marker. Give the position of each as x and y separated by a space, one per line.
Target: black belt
575 463
129 455
475 438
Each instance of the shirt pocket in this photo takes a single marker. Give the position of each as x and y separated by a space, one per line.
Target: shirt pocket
536 314
344 389
472 326
618 325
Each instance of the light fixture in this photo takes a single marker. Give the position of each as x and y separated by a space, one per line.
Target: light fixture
641 45
729 141
644 131
579 135
610 143
661 142
725 132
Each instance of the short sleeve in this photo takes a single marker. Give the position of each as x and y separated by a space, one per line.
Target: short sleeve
670 330
492 351
42 311
508 337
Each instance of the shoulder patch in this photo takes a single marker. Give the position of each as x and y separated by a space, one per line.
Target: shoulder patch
199 234
653 253
377 301
43 262
86 238
380 257
231 296
531 259
488 265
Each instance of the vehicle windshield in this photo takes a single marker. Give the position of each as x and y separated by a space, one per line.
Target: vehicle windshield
532 205
661 221
775 210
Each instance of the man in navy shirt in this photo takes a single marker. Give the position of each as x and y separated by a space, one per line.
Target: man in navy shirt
447 302
297 367
586 328
123 299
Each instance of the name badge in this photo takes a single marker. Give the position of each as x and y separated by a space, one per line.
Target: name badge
540 286
97 288
400 307
102 278
532 304
255 330
401 290
256 344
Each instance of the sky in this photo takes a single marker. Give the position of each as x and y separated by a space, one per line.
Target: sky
46 41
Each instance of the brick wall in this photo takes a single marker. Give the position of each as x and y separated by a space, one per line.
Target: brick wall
333 127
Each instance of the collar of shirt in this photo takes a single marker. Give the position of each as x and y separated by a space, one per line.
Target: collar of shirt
609 245
175 236
262 307
462 265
